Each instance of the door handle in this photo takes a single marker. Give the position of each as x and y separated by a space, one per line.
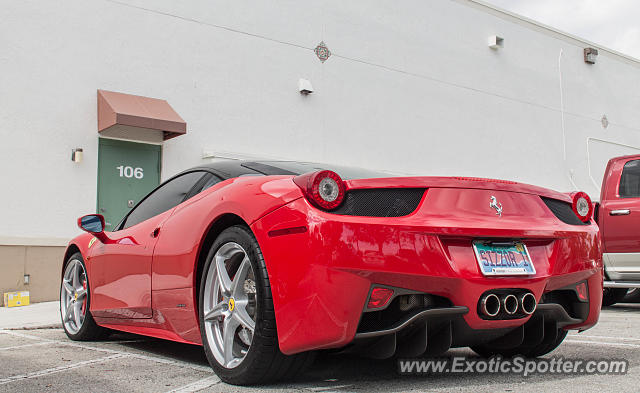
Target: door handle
155 232
621 212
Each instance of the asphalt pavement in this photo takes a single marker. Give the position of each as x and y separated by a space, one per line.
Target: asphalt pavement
44 360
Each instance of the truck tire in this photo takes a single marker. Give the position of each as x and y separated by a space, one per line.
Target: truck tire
611 296
633 296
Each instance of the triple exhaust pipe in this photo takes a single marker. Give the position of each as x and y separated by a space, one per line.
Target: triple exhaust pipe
491 304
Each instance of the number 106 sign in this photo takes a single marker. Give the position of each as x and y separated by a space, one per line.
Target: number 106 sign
129 172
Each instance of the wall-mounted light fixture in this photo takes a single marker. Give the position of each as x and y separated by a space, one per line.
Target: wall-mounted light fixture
305 87
76 154
590 55
27 279
495 42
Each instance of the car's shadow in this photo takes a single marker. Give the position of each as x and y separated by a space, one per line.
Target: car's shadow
163 348
338 371
623 307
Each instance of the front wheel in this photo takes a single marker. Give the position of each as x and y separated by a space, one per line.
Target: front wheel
75 299
237 319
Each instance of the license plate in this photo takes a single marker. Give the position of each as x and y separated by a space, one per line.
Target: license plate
503 260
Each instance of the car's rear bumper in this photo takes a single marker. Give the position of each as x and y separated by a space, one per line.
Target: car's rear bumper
321 277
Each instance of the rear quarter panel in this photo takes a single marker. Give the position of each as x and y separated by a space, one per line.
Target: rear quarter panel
182 234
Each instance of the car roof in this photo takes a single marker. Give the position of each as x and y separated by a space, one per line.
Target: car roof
228 169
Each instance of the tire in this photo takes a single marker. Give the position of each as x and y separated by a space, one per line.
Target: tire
87 329
260 361
611 296
487 351
547 346
633 296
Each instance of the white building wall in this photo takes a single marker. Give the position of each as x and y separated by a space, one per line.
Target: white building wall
411 87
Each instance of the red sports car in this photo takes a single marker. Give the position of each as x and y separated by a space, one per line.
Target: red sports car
262 263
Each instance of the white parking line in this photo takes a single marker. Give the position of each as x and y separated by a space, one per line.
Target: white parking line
329 389
197 385
23 346
29 336
171 362
606 337
58 369
608 344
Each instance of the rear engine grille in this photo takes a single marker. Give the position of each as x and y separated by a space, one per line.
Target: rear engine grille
563 211
380 202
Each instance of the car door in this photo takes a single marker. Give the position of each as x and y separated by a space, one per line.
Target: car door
621 221
122 268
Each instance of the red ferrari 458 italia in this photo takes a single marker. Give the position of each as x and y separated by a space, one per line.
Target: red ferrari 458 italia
263 263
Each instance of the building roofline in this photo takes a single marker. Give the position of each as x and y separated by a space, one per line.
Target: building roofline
546 29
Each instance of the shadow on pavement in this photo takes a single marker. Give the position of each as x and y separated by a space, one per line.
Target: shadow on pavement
344 371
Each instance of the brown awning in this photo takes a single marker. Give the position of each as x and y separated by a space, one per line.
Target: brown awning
120 109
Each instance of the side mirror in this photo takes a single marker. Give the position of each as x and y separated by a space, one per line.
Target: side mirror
94 224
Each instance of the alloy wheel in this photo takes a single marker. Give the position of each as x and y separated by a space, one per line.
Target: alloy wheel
229 305
73 296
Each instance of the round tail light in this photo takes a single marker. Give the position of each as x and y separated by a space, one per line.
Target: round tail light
582 206
325 189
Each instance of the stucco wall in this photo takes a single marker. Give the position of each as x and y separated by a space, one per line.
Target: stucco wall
411 87
42 264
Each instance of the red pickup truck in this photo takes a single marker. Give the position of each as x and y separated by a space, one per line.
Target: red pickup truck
618 216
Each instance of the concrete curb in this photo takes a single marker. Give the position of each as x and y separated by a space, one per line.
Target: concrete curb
44 315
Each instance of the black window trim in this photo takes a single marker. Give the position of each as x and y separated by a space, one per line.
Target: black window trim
124 219
197 188
619 193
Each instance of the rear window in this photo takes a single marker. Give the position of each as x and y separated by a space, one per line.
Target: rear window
298 168
630 180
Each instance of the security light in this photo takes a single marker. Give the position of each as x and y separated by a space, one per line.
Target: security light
496 42
590 55
76 155
304 86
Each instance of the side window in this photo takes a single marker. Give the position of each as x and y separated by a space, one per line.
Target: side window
207 181
166 197
213 180
630 180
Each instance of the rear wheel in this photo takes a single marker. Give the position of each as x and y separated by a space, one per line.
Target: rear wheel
237 319
611 296
75 299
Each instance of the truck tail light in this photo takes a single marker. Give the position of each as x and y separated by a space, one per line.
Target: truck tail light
325 189
582 206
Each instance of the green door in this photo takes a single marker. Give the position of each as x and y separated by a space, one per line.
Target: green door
127 171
